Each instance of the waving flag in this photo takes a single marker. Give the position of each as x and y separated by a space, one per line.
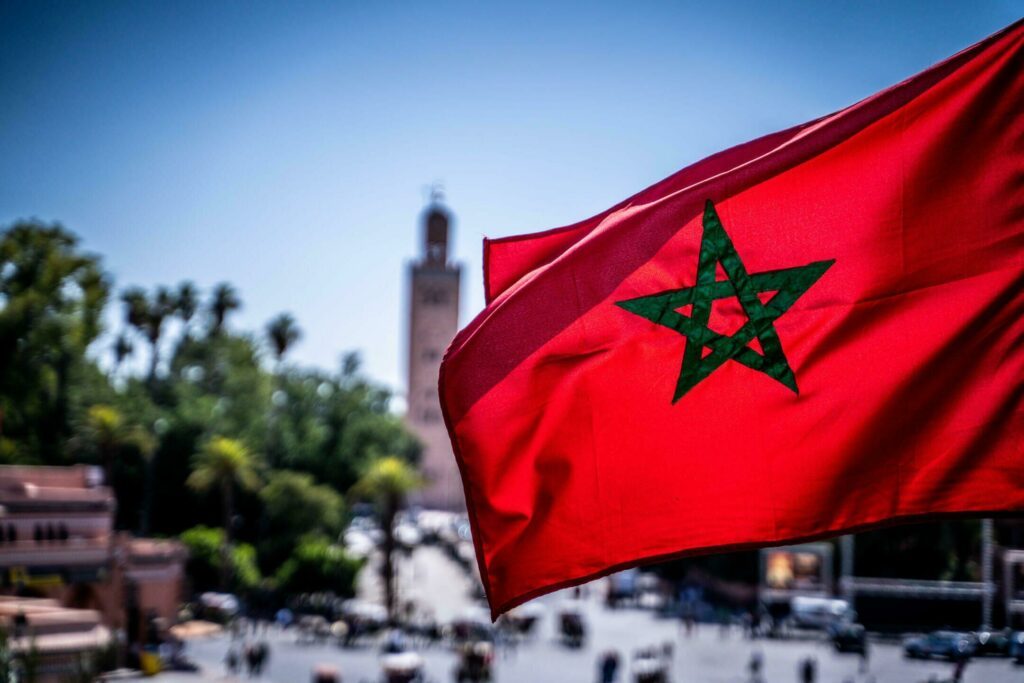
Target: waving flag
815 332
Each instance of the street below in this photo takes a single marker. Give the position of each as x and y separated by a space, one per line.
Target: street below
710 654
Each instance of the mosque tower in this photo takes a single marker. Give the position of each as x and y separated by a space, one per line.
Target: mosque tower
433 322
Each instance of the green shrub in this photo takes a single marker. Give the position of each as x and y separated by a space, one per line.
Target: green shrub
318 565
204 562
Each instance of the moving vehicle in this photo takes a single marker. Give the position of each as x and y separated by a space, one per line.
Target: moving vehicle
472 625
402 667
475 662
325 673
398 662
943 644
848 637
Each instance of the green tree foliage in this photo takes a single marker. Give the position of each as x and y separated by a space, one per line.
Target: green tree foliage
333 426
283 333
318 565
224 464
218 384
294 505
186 303
52 297
125 450
147 315
387 482
205 563
225 300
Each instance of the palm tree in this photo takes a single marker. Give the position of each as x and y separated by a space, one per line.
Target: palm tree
224 464
387 482
147 316
105 432
186 303
225 300
162 306
136 306
122 349
282 333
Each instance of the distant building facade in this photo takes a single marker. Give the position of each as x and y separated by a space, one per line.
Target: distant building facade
57 541
433 322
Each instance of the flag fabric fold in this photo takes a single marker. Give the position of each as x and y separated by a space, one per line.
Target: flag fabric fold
818 331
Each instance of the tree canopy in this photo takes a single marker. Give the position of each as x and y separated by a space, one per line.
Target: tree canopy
181 409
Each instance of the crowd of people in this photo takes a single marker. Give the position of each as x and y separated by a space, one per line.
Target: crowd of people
250 655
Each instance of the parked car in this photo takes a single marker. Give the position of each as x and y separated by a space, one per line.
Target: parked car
399 663
847 637
944 644
312 628
649 666
819 613
992 643
1017 646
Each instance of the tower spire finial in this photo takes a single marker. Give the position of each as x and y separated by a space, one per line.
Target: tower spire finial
436 192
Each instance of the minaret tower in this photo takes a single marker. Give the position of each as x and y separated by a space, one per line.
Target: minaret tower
433 322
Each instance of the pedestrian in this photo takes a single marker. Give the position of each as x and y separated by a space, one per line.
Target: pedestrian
958 669
250 660
608 667
262 655
808 670
755 665
231 661
865 654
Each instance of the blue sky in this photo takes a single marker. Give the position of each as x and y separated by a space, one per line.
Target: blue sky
286 147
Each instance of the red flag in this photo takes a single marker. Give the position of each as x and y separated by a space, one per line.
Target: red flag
815 332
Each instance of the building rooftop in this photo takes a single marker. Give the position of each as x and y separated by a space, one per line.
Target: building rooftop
80 484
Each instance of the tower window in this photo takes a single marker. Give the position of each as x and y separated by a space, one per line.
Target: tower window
434 296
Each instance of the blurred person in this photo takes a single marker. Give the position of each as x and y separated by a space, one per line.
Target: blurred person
958 669
262 656
755 665
808 670
250 659
608 667
231 661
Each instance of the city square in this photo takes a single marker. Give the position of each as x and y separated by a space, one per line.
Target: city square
710 654
533 343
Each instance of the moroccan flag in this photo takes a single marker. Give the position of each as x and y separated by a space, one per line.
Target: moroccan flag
815 332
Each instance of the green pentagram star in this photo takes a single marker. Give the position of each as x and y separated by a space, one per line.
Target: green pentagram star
716 247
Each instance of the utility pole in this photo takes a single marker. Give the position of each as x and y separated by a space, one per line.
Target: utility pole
986 573
846 567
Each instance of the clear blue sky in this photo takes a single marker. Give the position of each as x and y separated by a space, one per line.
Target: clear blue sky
285 147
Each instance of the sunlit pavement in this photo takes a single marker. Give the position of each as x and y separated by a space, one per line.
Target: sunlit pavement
706 657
